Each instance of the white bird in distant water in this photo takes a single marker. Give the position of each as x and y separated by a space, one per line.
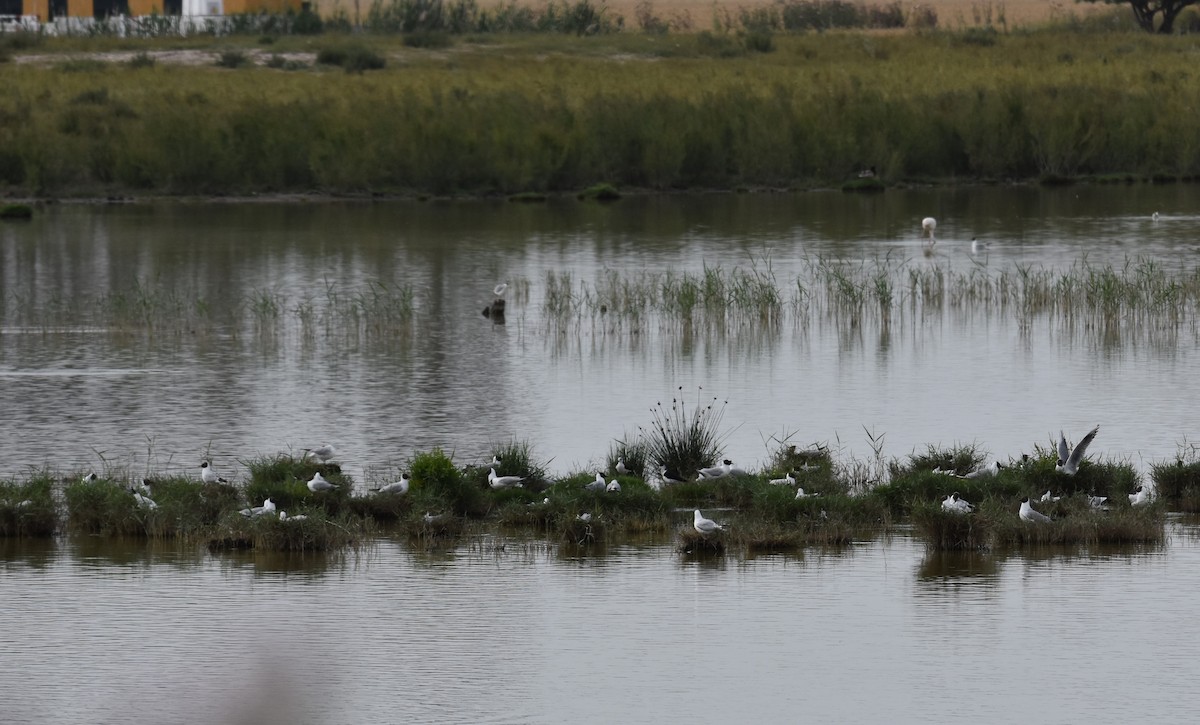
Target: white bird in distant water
928 226
977 246
704 526
1068 458
500 289
91 478
1029 514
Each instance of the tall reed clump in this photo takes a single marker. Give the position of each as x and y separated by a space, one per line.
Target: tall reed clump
28 508
685 441
284 479
1178 483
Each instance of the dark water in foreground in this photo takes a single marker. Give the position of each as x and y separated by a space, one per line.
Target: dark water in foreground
877 632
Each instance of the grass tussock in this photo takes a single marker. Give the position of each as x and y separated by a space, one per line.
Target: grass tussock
27 508
683 439
318 531
284 479
1178 483
688 541
996 523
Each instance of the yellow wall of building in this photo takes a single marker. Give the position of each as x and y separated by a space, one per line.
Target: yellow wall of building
145 7
261 6
80 8
40 8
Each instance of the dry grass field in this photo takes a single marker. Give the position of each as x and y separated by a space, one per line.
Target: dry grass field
698 14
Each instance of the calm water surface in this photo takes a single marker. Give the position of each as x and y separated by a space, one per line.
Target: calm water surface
878 632
83 393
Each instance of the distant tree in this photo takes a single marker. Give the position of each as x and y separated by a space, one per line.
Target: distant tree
1146 10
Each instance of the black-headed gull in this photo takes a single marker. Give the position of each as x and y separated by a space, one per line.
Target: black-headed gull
1028 514
622 469
503 481
1139 497
957 505
669 476
704 526
1047 497
208 475
323 453
318 483
1097 501
989 470
91 478
267 507
598 485
801 494
283 516
398 487
614 486
787 480
1068 458
143 501
717 471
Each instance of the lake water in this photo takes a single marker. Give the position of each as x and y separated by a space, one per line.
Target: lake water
84 389
271 329
877 632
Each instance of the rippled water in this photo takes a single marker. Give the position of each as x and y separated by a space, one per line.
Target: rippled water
879 631
82 393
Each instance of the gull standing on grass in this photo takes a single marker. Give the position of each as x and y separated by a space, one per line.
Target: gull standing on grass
957 505
208 475
1028 513
598 485
1140 496
1068 458
91 478
622 469
704 526
399 487
318 483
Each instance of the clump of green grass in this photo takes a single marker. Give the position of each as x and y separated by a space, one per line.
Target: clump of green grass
635 508
632 452
442 486
427 39
1076 522
284 479
142 60
185 507
689 541
517 458
683 440
105 508
233 58
1114 479
600 192
960 459
578 532
387 507
1178 482
27 508
318 531
16 211
868 185
432 529
949 531
352 57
